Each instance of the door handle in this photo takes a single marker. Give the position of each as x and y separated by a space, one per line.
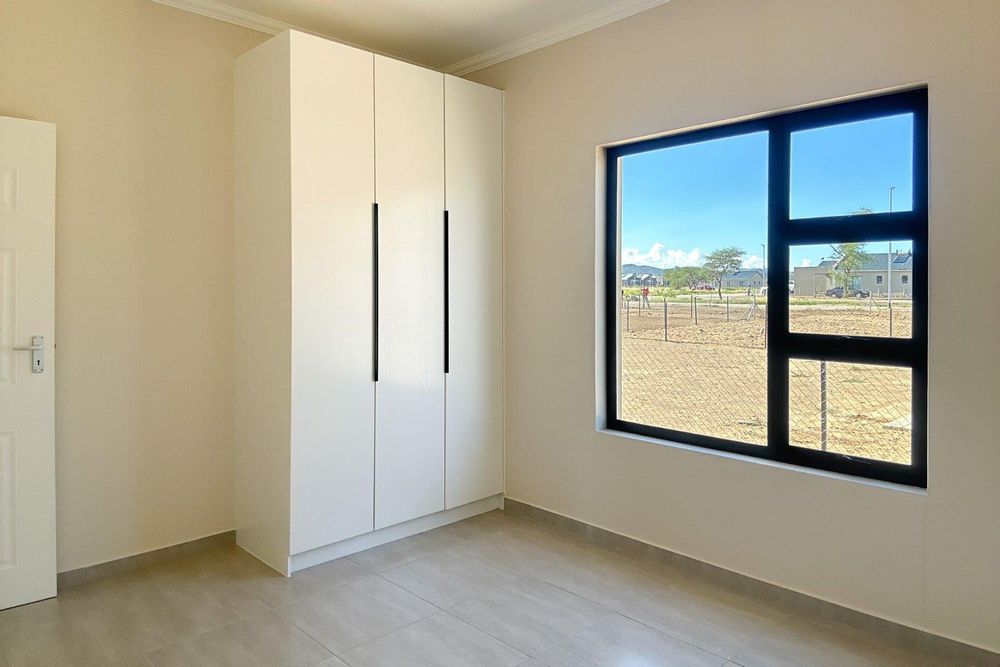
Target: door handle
37 349
447 297
375 291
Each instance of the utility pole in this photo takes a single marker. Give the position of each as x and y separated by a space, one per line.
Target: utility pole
889 292
763 262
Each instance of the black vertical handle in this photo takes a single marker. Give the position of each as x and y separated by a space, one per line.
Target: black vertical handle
375 291
447 313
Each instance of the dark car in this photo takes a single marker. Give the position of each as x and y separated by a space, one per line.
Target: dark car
840 293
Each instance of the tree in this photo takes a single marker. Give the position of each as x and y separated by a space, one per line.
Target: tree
722 262
850 258
685 276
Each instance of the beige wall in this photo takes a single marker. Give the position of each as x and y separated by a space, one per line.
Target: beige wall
929 560
142 97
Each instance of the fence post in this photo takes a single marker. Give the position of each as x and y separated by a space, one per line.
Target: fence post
727 307
890 310
822 405
695 301
664 317
627 328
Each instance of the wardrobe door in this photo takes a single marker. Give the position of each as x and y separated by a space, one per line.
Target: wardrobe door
333 389
409 189
474 200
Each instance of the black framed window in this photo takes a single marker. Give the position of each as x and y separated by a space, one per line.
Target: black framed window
766 287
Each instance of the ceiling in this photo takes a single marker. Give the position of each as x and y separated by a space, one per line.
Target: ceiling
450 35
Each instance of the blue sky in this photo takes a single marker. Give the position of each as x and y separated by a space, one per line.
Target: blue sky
681 203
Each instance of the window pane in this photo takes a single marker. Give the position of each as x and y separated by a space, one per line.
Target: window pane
843 289
692 316
861 410
862 167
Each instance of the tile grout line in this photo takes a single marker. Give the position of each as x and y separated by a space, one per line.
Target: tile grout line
635 620
269 609
527 656
384 634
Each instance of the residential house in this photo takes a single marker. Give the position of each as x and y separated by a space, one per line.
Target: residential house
752 278
640 280
872 276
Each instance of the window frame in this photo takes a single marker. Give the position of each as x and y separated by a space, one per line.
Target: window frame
784 231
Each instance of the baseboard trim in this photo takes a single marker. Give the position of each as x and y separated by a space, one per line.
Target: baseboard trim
353 545
85 575
822 610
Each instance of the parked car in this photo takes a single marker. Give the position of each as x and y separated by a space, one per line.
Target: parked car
840 293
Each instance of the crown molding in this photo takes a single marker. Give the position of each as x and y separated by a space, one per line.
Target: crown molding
217 10
542 38
590 21
222 12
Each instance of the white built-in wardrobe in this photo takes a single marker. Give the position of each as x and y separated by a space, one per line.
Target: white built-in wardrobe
368 198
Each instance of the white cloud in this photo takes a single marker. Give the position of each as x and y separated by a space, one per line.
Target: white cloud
753 262
806 262
662 257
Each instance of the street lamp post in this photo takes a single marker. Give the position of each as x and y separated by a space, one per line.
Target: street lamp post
763 261
889 257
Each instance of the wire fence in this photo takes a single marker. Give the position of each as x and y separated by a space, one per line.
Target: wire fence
698 364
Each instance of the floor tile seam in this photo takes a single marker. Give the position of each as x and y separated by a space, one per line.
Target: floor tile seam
784 613
413 593
727 658
230 624
406 562
342 655
317 593
623 614
559 530
541 576
526 655
116 619
377 571
324 589
110 616
384 634
336 654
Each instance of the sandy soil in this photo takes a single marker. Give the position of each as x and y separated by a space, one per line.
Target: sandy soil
713 326
711 378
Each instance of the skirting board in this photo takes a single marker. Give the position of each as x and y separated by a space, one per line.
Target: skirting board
393 533
85 575
747 586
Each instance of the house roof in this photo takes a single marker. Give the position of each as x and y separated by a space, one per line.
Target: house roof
901 261
745 274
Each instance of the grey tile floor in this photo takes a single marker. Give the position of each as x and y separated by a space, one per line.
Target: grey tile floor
491 590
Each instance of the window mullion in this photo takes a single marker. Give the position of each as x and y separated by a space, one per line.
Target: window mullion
778 186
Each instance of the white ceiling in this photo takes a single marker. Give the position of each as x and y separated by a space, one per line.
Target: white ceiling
450 35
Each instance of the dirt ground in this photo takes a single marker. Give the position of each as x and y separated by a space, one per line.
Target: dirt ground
860 321
711 378
714 326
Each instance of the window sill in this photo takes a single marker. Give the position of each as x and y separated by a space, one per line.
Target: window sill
816 472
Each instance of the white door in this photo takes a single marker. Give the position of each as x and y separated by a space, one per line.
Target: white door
27 319
474 179
333 391
409 394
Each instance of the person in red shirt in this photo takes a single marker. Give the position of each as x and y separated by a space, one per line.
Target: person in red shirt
645 297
